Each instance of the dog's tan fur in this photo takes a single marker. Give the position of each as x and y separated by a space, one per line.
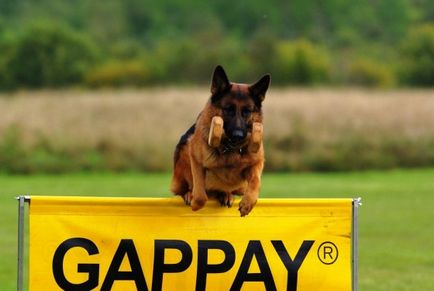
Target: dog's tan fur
201 170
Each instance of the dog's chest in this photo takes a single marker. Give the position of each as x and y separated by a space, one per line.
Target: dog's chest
230 172
225 179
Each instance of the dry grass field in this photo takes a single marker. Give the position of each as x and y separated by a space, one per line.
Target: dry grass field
305 129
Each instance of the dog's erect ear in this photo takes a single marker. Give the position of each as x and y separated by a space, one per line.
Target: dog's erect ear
220 83
259 89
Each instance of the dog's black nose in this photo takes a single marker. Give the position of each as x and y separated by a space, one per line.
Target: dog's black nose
237 135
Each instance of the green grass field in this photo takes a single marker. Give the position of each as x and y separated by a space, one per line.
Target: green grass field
396 219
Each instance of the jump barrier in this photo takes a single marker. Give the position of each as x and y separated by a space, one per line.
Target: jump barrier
89 243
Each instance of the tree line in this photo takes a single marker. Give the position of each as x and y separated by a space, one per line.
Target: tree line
142 43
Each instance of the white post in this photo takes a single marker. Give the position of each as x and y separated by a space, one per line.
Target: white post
355 243
21 210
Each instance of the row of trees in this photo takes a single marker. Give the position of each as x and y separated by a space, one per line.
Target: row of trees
335 22
139 42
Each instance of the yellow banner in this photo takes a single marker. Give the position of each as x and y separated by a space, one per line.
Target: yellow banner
79 243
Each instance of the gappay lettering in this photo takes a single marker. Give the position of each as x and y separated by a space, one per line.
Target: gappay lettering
253 250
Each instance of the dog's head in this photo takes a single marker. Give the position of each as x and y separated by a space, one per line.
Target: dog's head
239 104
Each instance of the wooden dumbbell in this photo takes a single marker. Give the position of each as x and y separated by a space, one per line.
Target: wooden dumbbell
215 132
256 138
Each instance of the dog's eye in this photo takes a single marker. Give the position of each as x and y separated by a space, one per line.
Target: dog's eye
246 112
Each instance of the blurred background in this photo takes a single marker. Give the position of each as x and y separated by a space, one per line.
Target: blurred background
63 43
111 85
94 96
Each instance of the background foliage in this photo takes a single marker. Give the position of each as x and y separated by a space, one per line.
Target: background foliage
137 130
136 43
141 42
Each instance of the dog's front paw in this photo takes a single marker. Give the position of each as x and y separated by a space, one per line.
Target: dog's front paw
226 199
246 205
187 198
198 202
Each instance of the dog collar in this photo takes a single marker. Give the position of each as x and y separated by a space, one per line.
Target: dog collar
229 150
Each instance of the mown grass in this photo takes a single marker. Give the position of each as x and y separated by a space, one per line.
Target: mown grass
395 220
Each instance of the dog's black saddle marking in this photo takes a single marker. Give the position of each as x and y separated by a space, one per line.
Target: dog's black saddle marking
183 141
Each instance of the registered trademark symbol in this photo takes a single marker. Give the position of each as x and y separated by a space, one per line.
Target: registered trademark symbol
327 253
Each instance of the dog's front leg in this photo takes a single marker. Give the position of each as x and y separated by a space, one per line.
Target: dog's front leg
252 192
199 196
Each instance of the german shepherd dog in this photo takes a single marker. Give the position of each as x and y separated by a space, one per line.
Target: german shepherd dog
202 171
